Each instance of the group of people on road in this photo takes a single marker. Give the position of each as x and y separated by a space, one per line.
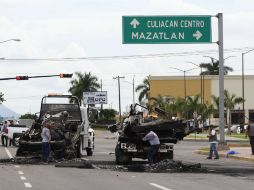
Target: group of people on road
4 133
212 136
213 140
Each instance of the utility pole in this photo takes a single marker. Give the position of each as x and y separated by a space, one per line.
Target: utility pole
101 91
184 79
201 80
133 90
221 80
119 95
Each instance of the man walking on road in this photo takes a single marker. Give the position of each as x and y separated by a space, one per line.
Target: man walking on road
46 137
213 144
4 134
250 132
154 145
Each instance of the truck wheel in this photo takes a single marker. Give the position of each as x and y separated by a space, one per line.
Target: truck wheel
15 141
169 155
89 151
78 152
121 158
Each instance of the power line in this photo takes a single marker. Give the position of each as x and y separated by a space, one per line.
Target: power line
138 56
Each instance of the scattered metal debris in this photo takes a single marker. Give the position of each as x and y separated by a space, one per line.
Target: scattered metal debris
167 166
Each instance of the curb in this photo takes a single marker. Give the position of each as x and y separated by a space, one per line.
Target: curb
236 157
228 141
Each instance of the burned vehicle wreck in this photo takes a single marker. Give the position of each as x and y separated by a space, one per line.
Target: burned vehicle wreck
71 133
130 144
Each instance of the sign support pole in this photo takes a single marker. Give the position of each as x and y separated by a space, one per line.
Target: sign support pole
221 80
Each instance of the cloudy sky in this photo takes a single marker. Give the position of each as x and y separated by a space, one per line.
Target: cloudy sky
93 28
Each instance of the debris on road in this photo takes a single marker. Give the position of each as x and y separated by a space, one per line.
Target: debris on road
75 163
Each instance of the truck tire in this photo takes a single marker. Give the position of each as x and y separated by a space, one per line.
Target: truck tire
89 151
15 140
78 152
121 158
169 155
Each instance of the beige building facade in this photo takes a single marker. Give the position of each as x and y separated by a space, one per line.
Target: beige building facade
174 86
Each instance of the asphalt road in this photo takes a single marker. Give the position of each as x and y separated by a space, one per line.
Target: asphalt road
233 174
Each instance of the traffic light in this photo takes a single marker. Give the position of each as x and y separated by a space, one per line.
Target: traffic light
22 77
65 75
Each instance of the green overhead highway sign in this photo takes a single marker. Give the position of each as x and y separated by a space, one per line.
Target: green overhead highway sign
166 29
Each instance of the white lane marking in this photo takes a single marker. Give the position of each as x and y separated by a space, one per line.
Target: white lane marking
158 186
8 153
27 184
20 173
16 166
22 177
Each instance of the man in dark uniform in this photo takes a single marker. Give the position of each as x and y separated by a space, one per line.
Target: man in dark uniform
250 133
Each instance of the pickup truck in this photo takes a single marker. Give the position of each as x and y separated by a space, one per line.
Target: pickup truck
15 131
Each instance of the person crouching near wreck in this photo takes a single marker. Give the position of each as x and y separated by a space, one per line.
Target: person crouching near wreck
154 141
46 137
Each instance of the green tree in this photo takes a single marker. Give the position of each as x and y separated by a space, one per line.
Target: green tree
28 116
207 110
180 106
193 105
212 68
83 83
164 103
1 98
143 89
230 101
108 114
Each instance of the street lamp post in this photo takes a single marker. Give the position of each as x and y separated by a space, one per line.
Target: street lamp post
184 78
243 96
13 39
201 81
133 89
119 95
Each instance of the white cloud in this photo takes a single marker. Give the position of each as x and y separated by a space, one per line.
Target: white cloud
85 28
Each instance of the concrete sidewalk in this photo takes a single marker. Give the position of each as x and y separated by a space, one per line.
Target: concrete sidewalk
241 153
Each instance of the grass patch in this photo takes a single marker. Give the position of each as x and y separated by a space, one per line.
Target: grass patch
192 136
240 136
207 149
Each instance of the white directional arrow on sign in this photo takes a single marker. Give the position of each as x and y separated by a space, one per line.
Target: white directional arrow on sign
134 23
197 35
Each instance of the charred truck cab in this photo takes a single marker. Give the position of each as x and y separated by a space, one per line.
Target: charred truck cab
71 133
130 144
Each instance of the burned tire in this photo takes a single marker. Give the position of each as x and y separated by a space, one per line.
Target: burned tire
89 151
121 158
78 152
169 155
15 140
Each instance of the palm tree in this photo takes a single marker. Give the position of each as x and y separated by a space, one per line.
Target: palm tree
164 103
144 89
231 100
207 110
193 105
84 83
213 68
180 106
216 101
1 98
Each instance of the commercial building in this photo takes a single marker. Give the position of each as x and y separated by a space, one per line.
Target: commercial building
176 86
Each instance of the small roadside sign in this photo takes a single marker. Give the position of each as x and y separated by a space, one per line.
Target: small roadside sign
95 97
